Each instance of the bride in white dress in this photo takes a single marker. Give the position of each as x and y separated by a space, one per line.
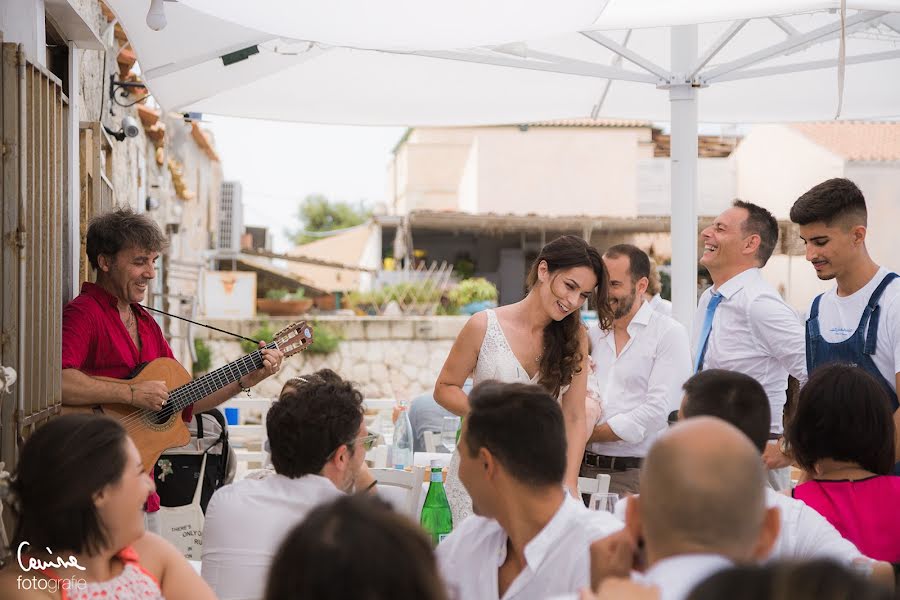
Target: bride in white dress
537 340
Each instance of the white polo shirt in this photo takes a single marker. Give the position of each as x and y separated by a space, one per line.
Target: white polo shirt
756 333
246 522
558 558
643 383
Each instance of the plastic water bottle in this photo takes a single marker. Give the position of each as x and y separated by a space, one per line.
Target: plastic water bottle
402 448
437 519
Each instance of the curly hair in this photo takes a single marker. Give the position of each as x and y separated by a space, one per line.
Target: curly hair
561 358
120 229
310 420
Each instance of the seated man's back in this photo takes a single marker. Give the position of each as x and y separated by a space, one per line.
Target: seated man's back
317 437
528 539
246 523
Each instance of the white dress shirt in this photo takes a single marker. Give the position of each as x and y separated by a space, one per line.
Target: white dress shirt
677 576
246 522
643 383
804 534
807 535
558 558
756 333
660 304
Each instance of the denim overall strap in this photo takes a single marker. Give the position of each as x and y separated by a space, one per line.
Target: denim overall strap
812 333
873 309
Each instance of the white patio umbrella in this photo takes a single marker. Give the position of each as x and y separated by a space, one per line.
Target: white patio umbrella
746 61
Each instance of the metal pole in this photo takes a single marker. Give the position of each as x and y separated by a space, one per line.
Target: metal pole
683 101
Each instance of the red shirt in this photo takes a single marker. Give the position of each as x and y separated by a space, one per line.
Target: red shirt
95 341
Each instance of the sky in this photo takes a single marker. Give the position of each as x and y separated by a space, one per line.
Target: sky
278 164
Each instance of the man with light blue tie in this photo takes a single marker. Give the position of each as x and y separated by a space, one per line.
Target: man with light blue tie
742 323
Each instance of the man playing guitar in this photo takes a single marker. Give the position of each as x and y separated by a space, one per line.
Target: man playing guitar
106 332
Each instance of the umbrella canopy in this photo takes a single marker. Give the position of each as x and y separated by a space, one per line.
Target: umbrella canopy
695 60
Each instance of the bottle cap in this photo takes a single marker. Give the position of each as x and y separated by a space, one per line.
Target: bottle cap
435 464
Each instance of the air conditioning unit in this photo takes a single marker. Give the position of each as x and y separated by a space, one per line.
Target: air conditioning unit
231 217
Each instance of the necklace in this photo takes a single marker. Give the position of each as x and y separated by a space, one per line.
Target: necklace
129 321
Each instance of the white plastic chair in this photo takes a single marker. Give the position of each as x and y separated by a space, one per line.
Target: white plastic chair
407 483
600 485
430 438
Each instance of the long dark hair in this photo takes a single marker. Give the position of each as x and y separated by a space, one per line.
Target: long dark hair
61 467
561 357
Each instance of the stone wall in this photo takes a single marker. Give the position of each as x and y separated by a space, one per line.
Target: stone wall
384 356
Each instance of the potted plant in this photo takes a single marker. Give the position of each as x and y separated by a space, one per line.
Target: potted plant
280 302
473 295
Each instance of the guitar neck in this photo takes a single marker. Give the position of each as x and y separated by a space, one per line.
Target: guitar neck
189 393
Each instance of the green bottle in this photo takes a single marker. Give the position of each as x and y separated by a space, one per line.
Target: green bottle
437 519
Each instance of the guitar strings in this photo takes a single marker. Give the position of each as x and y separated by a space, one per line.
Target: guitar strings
176 396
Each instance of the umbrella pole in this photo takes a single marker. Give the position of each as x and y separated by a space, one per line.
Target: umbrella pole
683 103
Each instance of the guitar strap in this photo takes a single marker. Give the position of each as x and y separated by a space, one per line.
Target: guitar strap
156 310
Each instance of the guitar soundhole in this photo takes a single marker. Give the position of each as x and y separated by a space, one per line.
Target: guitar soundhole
160 417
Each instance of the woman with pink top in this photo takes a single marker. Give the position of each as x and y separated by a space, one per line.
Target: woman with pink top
842 436
79 494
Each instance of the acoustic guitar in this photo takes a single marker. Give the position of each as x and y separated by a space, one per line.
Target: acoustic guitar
156 431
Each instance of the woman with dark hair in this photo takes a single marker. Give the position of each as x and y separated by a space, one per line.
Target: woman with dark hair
842 436
539 339
355 547
79 493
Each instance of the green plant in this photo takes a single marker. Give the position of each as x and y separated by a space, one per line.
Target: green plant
326 339
277 294
204 357
265 333
284 295
476 289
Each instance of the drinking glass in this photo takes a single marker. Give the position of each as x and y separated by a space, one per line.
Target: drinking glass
449 428
604 501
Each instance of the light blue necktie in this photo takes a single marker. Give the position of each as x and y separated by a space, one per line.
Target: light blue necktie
707 328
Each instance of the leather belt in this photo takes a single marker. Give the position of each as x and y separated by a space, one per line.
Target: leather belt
613 463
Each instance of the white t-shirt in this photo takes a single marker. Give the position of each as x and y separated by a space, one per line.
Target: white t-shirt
839 317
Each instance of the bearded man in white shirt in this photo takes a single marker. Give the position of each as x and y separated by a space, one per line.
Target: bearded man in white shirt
742 323
640 365
858 320
318 441
528 539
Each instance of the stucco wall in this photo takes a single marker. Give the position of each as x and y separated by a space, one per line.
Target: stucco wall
776 164
880 183
385 357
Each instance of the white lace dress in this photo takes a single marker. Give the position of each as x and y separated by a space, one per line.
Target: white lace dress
495 361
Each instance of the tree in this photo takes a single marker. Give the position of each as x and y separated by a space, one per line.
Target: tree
318 214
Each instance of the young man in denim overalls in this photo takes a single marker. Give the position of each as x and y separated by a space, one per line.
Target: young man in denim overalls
857 321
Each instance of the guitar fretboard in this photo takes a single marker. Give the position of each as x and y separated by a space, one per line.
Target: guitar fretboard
184 396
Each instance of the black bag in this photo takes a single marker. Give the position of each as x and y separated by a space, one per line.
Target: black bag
177 470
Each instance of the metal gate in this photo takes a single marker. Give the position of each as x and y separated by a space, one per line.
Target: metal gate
33 188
